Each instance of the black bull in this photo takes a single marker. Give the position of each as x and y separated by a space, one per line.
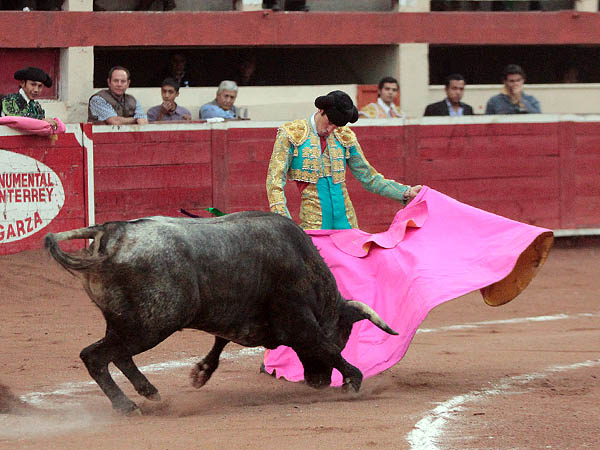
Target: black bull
253 278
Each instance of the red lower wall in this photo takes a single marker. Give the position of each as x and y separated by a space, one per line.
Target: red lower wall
540 173
151 173
66 158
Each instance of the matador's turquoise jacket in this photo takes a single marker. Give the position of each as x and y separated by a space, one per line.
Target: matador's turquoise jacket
325 202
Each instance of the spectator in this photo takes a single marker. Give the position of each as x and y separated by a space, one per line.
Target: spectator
113 106
512 99
23 103
451 105
570 75
246 71
288 5
168 110
388 90
222 105
178 71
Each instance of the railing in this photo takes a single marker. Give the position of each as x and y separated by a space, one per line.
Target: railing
304 5
502 5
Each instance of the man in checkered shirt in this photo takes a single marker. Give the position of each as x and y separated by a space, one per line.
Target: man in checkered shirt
113 106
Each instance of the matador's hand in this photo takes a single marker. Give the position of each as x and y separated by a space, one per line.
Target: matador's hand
412 192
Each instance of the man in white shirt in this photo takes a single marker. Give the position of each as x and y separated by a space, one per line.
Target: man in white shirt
388 91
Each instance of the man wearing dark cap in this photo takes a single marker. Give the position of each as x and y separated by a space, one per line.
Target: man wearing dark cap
23 103
315 154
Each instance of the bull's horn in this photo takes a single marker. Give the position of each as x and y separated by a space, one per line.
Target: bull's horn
372 316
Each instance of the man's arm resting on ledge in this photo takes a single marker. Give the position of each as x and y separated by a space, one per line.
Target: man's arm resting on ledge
117 120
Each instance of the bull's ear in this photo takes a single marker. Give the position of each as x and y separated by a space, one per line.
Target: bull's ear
359 311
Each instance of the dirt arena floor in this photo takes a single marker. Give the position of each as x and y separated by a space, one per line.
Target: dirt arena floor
522 376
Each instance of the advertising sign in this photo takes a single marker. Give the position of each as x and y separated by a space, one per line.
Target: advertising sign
31 196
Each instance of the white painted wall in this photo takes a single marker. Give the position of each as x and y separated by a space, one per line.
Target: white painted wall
263 103
78 5
279 103
554 98
413 76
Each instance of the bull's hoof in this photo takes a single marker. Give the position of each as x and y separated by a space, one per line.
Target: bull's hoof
200 374
150 392
318 380
125 407
354 382
154 397
134 413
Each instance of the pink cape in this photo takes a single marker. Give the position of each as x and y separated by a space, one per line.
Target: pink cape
435 250
33 126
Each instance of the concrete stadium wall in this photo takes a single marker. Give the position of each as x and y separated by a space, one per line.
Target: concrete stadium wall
408 37
581 98
281 103
542 169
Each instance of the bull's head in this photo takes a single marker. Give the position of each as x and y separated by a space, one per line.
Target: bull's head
316 373
352 311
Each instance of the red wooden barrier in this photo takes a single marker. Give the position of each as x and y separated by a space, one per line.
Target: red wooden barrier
546 174
510 169
580 176
41 188
541 173
154 172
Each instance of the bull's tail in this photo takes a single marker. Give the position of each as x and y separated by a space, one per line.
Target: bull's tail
366 312
84 261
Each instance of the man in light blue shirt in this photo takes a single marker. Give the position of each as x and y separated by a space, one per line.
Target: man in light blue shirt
222 106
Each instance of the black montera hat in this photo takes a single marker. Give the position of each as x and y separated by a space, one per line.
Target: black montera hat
338 108
33 74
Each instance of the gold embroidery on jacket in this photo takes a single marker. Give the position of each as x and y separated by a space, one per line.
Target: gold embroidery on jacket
346 136
337 155
310 152
326 163
311 215
314 163
276 174
296 131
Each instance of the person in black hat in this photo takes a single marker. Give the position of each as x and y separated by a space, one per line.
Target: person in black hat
24 103
315 153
